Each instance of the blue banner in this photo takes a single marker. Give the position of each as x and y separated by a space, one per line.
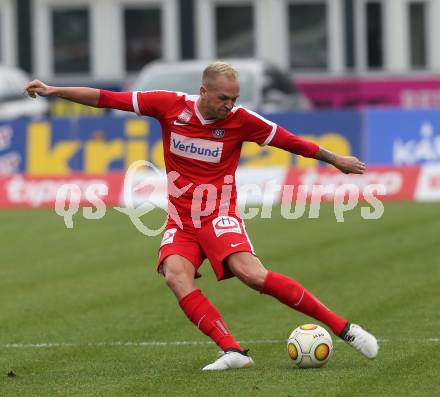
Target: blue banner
396 137
96 145
344 124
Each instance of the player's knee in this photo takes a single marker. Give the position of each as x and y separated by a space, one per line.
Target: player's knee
173 275
171 279
177 273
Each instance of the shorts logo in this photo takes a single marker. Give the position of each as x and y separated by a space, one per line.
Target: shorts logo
168 236
218 133
195 148
225 224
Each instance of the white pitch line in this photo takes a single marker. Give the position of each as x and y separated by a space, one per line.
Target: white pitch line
177 343
136 344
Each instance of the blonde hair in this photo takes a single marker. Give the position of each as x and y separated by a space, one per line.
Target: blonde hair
215 69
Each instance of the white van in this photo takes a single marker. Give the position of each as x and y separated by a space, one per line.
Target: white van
264 87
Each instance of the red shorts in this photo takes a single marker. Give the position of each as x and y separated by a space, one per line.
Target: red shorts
216 239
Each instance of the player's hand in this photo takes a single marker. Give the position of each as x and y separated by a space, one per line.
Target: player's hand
37 87
349 165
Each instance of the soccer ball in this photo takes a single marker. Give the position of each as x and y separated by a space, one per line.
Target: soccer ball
309 346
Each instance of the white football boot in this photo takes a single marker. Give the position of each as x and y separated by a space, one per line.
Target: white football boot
362 341
230 360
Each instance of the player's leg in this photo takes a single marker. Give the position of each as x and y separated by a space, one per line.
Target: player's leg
179 275
250 271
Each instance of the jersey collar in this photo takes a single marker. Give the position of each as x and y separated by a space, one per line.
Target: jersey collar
199 115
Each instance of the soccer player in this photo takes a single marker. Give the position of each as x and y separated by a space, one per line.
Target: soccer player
202 139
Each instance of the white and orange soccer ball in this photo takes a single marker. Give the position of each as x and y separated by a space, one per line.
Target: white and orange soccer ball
310 346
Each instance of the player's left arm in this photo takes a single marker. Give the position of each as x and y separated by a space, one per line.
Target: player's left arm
285 140
345 164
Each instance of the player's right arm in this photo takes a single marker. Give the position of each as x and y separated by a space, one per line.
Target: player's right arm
84 95
149 103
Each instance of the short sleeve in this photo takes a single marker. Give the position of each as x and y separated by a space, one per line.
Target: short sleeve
154 103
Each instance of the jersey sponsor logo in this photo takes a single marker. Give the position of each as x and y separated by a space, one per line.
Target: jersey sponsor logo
226 224
168 236
218 133
233 245
195 148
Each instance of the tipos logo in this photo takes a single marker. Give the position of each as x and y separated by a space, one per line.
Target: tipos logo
195 148
225 224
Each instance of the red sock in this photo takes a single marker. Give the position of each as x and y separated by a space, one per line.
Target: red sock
293 294
208 319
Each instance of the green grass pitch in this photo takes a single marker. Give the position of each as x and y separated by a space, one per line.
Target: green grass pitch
82 308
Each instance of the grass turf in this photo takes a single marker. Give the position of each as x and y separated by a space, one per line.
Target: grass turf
82 290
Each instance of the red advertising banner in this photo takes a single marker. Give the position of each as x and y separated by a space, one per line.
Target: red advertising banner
399 182
22 191
428 186
420 183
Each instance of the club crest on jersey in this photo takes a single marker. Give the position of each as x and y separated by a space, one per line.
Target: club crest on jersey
225 224
185 116
218 133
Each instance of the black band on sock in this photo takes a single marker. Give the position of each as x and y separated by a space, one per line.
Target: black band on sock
345 330
233 349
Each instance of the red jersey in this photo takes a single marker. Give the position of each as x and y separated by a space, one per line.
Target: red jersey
201 156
